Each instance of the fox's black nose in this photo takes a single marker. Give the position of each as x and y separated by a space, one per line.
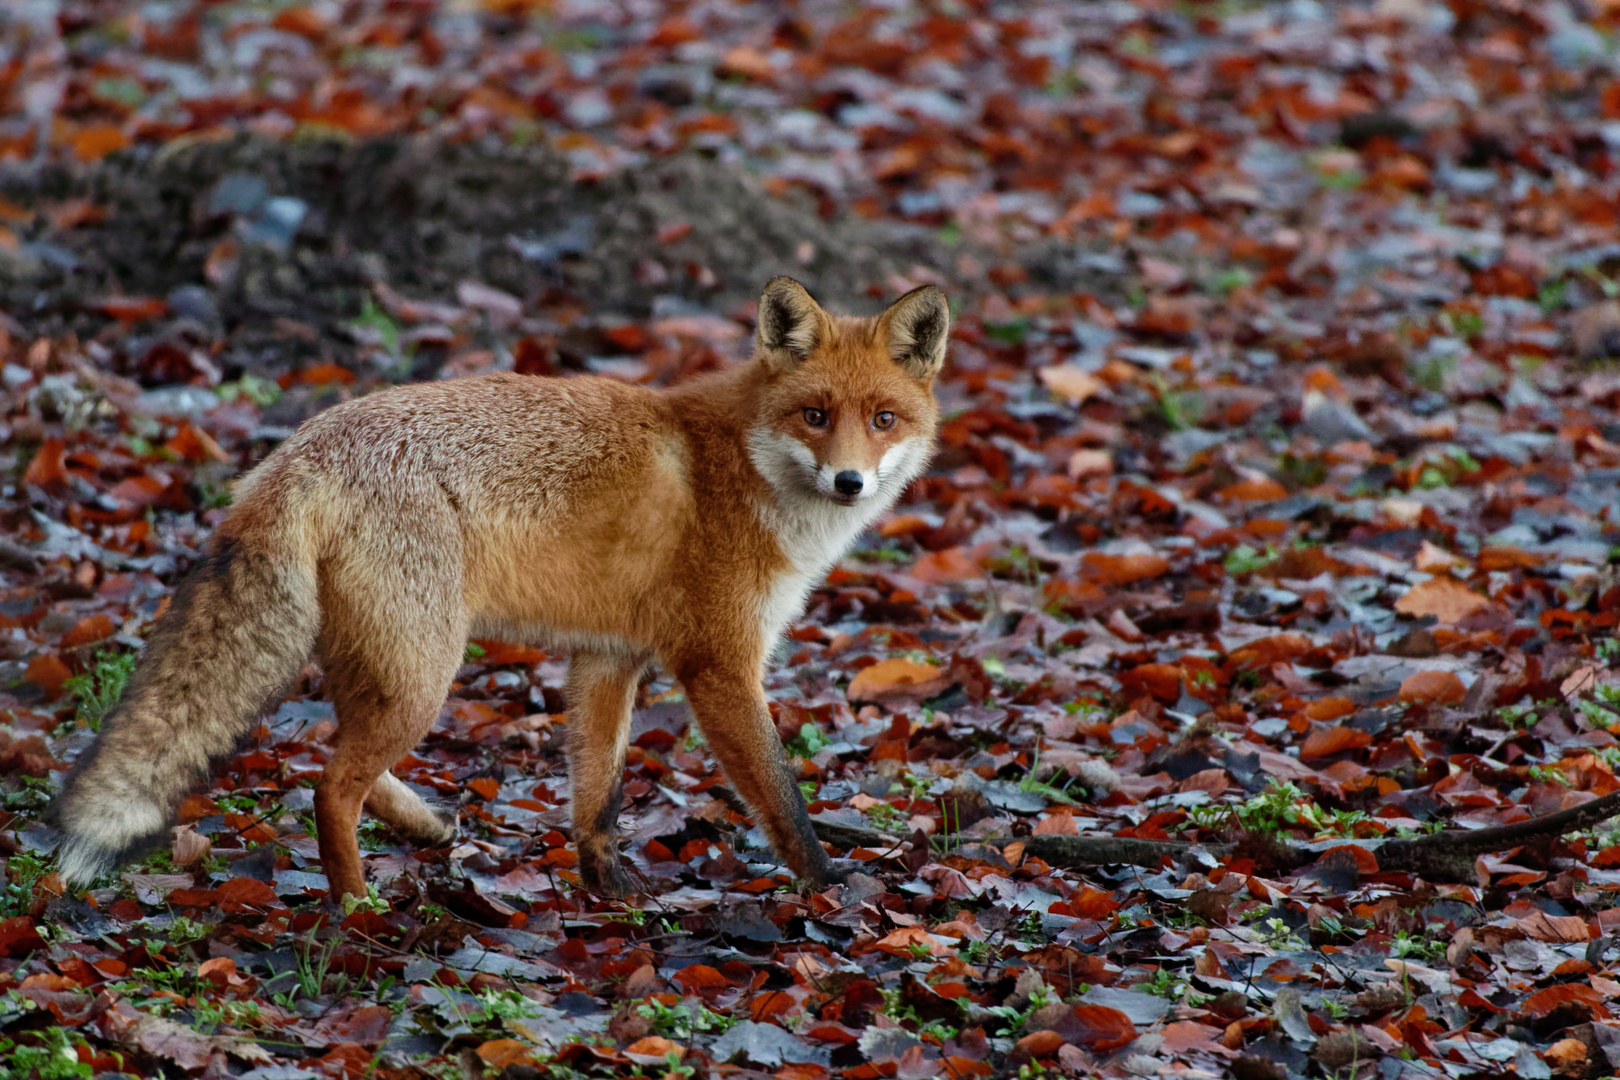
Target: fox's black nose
848 482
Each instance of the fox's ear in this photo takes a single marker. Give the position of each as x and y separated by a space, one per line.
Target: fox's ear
917 327
789 320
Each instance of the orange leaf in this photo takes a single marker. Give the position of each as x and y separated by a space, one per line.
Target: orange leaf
194 444
502 653
1508 558
97 141
1561 928
95 628
131 309
500 1053
1091 903
195 808
47 469
1270 650
653 1050
1330 708
321 374
222 966
903 525
1068 381
303 21
1162 682
487 787
249 891
1103 1029
1545 1001
748 63
1447 600
696 977
896 678
1433 688
1263 489
1122 569
946 567
904 941
1333 740
1039 1044
48 673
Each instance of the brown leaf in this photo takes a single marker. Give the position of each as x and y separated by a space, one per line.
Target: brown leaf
190 846
1162 682
1560 928
1068 381
160 1038
1038 1044
1433 688
499 1053
1102 1029
897 677
1122 569
1447 600
250 892
695 978
94 628
1264 652
47 468
946 567
1575 995
1333 740
48 673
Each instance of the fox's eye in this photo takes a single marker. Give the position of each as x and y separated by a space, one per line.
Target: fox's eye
883 421
815 417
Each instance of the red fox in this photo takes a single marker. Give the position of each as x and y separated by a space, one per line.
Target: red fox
631 525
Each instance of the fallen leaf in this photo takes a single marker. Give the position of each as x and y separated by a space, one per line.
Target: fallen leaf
1447 600
1070 382
1433 688
896 677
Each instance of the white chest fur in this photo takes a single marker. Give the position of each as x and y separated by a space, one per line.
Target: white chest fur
813 531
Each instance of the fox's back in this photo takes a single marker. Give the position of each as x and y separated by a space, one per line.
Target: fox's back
491 444
540 495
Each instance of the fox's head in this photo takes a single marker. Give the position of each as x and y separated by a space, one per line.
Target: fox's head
847 408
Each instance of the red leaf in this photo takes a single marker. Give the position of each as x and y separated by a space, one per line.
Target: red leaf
1101 1028
248 891
48 673
1576 995
1333 740
95 628
1122 569
1160 681
131 309
1433 688
698 977
487 787
47 468
18 937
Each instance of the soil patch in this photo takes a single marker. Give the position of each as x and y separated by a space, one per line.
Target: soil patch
243 235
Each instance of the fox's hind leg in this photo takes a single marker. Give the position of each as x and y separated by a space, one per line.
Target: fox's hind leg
406 813
390 651
601 693
375 730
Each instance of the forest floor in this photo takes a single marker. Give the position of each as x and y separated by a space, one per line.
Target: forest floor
1277 513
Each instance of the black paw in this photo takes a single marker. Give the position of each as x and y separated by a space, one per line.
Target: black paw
604 877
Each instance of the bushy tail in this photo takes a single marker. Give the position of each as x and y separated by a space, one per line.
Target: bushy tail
236 634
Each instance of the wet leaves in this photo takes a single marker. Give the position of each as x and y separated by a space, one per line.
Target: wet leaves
1274 514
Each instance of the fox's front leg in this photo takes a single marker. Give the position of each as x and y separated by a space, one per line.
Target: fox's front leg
601 693
731 709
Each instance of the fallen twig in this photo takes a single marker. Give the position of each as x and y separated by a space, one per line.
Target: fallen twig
1445 855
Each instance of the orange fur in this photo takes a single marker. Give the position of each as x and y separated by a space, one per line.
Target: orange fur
682 526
